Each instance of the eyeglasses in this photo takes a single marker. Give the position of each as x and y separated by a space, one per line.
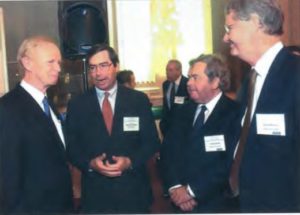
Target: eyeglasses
228 28
101 66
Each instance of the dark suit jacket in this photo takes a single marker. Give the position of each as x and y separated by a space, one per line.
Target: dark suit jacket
269 176
34 172
167 113
88 138
187 162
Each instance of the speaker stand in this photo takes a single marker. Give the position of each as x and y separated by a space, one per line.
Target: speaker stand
85 75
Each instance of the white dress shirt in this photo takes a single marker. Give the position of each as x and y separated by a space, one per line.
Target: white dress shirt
111 98
210 107
177 82
262 68
38 96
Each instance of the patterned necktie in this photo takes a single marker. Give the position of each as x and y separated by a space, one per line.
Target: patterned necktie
234 173
107 112
46 107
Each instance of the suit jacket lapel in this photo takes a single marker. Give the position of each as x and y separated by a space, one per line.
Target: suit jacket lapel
271 92
120 109
40 117
274 80
94 111
180 86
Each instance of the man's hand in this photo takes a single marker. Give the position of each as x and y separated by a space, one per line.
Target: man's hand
182 198
121 163
188 206
110 169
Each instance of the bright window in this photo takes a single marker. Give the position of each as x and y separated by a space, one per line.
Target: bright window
147 33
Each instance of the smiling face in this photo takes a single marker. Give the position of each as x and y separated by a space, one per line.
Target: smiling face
241 36
102 71
200 88
42 65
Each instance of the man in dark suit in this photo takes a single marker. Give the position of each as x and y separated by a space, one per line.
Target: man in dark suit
34 172
268 152
111 135
199 146
174 93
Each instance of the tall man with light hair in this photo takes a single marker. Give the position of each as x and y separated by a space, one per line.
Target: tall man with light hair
266 170
34 173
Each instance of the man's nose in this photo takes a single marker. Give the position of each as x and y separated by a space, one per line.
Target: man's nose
226 38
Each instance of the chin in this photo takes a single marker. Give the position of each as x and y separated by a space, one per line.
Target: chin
194 98
233 52
53 82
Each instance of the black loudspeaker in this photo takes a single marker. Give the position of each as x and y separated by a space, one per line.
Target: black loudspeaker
81 25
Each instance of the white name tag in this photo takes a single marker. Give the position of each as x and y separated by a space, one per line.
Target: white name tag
179 99
131 123
214 143
270 124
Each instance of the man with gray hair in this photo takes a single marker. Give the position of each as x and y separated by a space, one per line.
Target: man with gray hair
265 173
199 147
174 93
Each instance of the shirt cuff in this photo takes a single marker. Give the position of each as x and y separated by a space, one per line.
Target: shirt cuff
190 191
175 186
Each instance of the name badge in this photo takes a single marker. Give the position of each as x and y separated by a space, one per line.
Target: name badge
179 99
214 143
270 124
131 123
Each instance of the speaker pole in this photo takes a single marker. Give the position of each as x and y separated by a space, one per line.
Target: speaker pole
85 75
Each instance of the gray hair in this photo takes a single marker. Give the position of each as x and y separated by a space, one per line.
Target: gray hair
177 63
215 68
269 12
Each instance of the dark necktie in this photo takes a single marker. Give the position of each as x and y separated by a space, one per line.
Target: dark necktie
234 173
46 107
200 118
199 122
172 94
107 112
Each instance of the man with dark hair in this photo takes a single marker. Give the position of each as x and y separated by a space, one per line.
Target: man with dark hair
111 135
199 146
34 173
266 170
126 78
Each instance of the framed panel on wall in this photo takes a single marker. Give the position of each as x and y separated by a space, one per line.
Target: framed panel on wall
3 65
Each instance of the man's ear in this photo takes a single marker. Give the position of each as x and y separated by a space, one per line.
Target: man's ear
26 62
118 67
215 83
256 21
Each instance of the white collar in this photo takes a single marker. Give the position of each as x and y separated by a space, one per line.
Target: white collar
212 103
264 63
112 91
34 92
177 82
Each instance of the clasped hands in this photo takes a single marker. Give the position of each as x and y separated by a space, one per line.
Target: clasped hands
181 198
115 169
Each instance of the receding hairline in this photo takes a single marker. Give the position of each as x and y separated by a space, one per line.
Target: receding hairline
176 62
33 42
